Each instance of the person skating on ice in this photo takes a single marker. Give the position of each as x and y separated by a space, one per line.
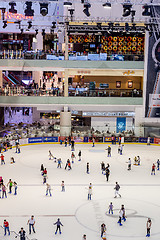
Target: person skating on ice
103 228
138 160
90 191
6 227
48 190
129 164
87 168
117 187
153 169
68 164
59 161
65 142
109 151
10 184
63 186
15 188
42 169
158 163
22 234
69 140
31 223
79 155
93 142
124 213
72 145
73 157
107 173
59 224
12 160
119 148
120 217
110 208
51 156
84 237
4 189
2 159
103 167
149 224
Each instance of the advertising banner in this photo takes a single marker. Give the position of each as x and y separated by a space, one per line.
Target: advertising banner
97 139
85 139
107 139
121 124
157 140
78 139
35 140
152 105
50 139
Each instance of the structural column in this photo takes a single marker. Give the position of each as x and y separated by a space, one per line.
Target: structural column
1 79
66 42
65 122
139 129
66 74
37 76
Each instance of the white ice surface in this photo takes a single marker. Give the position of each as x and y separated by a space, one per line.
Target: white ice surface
140 193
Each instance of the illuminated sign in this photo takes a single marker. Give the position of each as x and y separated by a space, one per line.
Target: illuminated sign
17 16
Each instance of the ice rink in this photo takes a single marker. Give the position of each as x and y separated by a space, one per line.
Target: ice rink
140 192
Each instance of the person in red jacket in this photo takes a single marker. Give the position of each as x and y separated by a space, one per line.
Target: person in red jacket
2 159
6 227
153 169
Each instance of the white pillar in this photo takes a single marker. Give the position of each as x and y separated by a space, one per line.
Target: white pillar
37 75
65 123
66 83
39 44
66 42
139 118
1 79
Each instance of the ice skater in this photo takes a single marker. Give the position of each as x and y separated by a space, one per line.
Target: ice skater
73 157
93 142
129 164
120 217
153 169
148 141
2 159
69 140
65 142
72 145
48 190
68 164
63 186
87 168
31 223
12 160
158 163
107 173
109 151
124 213
10 184
15 188
90 191
84 237
117 187
4 189
44 178
103 167
149 223
110 208
104 236
79 155
42 168
22 234
103 229
59 161
6 227
51 156
121 149
59 224
138 160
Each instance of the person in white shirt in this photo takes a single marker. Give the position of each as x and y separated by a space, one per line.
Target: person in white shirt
31 223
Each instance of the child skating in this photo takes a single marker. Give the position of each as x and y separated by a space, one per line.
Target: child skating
73 157
117 187
59 224
48 190
110 208
63 186
153 169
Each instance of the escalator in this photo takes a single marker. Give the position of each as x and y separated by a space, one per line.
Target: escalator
8 79
16 79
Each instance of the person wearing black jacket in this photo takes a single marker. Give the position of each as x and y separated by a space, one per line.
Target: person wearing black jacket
22 234
107 173
59 224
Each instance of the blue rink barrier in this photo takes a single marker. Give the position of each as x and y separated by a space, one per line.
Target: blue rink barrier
50 139
35 140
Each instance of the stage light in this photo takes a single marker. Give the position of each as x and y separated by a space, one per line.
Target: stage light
67 4
86 9
43 9
126 10
29 24
12 9
107 5
43 32
147 10
36 30
29 11
4 24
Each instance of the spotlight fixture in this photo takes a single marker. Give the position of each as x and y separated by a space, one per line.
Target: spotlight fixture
29 24
29 11
146 11
43 9
67 4
43 32
86 9
36 30
107 5
4 24
12 9
126 10
71 13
